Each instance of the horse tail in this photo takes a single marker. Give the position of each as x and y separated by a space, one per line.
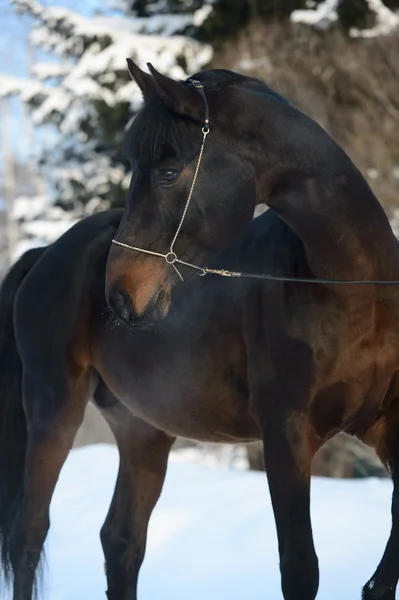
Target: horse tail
13 430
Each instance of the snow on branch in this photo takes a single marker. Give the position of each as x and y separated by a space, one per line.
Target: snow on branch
54 26
26 89
39 221
161 51
320 17
387 21
50 70
57 102
325 13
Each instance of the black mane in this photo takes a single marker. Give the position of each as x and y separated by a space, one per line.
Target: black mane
154 128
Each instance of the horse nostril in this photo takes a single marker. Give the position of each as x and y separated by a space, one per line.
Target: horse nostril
121 304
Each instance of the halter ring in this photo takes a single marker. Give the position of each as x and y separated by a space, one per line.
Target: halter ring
170 258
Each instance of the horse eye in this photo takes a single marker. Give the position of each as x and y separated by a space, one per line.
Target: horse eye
168 176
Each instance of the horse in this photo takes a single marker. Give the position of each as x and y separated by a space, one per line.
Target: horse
204 153
238 359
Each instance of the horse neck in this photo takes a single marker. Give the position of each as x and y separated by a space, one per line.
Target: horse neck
315 188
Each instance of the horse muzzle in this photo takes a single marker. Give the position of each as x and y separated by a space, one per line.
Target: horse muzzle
122 306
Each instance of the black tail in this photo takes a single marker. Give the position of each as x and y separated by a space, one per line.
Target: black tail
13 434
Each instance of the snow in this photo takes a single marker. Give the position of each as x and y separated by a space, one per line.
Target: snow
325 13
387 21
48 70
40 222
212 534
28 207
321 17
202 14
47 230
247 63
27 89
58 100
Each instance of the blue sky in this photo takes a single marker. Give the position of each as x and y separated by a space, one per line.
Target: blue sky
14 57
15 29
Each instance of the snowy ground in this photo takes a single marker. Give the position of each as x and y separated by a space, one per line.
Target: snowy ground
212 534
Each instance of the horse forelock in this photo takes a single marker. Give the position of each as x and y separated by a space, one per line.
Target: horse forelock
153 129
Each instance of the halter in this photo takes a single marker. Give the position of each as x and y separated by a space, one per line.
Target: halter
171 257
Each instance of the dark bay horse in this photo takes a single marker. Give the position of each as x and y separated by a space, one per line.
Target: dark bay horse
232 359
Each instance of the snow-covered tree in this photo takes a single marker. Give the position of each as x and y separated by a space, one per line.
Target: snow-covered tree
87 94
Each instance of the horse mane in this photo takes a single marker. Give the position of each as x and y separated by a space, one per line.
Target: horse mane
218 79
155 129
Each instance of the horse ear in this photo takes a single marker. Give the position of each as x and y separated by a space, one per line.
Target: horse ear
181 98
144 80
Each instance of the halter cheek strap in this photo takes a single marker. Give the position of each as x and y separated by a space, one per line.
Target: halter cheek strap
171 256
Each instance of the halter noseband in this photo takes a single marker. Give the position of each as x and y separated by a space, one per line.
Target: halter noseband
171 256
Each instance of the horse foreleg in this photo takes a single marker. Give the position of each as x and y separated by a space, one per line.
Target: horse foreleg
54 411
143 453
382 585
288 452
